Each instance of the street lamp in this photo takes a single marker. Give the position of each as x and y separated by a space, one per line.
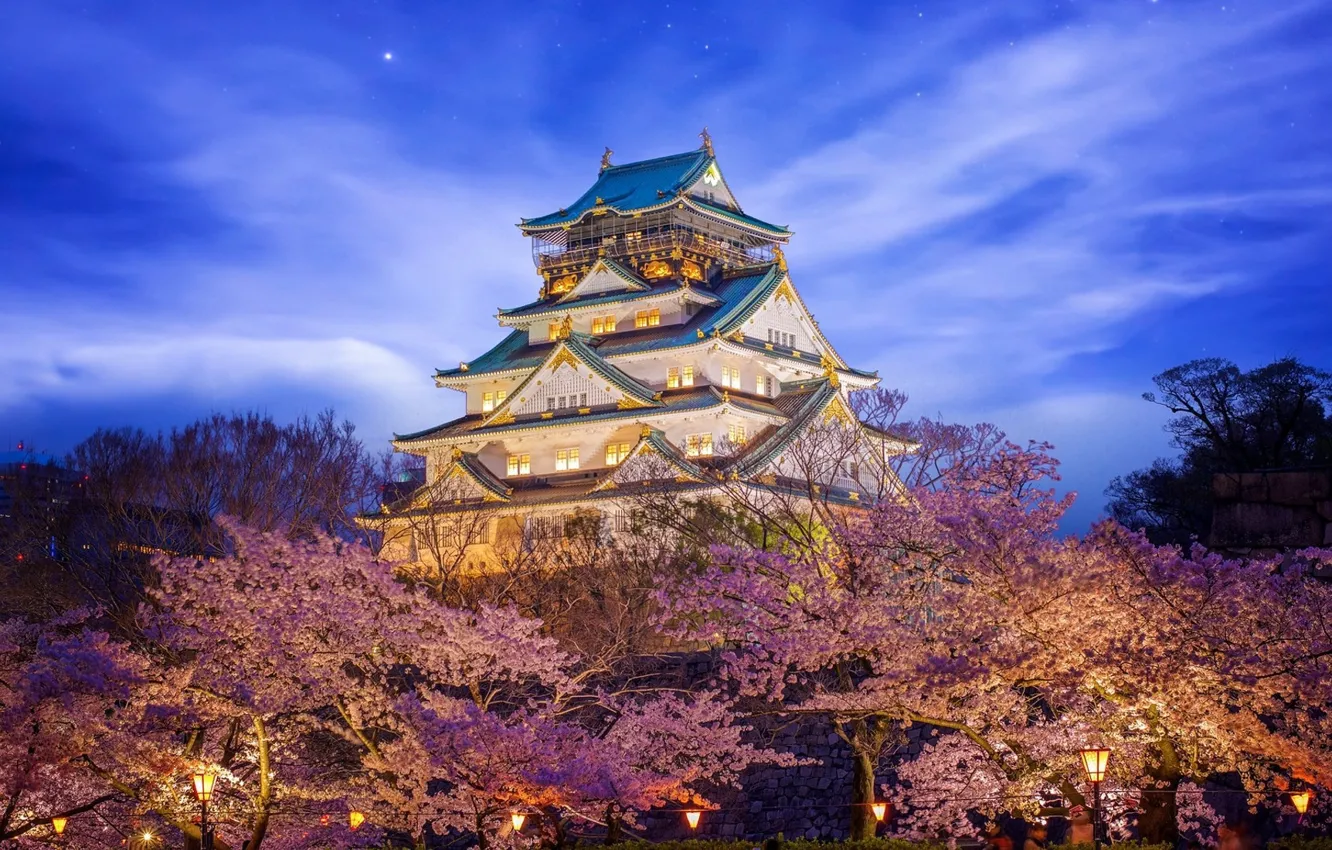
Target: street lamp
355 819
203 792
58 824
1094 760
518 819
693 816
1300 800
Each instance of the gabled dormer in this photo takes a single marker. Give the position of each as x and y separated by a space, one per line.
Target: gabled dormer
571 380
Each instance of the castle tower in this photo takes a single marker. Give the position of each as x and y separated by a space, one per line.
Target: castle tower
666 326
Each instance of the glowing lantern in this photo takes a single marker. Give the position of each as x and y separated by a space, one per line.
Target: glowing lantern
518 819
203 784
1094 761
148 836
355 819
879 809
1300 800
693 817
58 824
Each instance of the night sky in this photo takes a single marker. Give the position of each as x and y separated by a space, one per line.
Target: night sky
1015 211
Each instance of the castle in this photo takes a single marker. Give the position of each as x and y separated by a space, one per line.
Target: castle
668 347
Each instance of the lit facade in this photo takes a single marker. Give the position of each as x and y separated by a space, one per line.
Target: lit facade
667 327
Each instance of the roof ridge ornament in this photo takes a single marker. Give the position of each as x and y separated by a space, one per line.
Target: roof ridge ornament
707 141
605 159
780 255
830 370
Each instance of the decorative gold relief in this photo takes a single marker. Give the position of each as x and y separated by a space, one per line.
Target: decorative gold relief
781 257
563 356
547 414
457 453
838 411
566 326
563 284
645 431
691 270
583 411
605 162
700 333
830 370
707 141
463 367
676 253
656 269
504 417
786 291
628 403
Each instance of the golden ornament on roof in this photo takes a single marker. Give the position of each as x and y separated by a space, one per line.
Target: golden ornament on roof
646 431
707 141
605 162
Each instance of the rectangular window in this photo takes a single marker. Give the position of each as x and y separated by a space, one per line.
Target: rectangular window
609 323
673 378
553 331
647 318
598 325
698 445
759 384
731 377
561 405
769 334
735 433
500 396
487 402
550 402
566 459
582 399
520 464
687 377
616 452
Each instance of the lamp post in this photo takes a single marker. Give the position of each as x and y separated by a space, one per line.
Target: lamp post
1300 800
1094 760
693 816
203 792
879 809
58 824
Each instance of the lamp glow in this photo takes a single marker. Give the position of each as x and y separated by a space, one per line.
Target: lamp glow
355 819
1094 761
203 784
693 818
58 824
1300 800
518 819
879 809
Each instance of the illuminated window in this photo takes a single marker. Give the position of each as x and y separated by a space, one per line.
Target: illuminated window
735 433
687 377
487 402
647 318
731 377
760 385
603 325
616 452
566 459
520 464
673 377
698 445
554 331
500 396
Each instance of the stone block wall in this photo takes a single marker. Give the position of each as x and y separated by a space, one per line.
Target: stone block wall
810 801
1258 512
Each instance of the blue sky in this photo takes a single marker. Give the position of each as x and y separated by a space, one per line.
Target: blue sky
1015 211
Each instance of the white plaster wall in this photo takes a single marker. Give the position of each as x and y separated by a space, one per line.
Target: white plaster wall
565 381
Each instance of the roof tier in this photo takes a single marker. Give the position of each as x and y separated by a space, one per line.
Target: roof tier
650 184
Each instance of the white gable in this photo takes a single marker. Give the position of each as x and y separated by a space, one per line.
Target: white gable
783 321
712 188
601 278
567 385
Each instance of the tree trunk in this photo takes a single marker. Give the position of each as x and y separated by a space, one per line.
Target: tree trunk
1158 822
265 801
614 826
482 842
862 796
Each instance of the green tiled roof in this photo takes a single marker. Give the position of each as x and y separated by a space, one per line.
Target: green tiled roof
674 402
801 404
514 351
559 308
632 186
481 474
639 186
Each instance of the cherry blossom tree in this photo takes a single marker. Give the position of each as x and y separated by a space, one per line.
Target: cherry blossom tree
960 607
